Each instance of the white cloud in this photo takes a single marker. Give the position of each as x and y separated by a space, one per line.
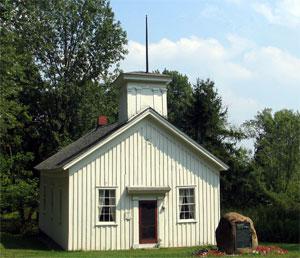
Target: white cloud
276 65
249 77
239 44
241 108
283 12
196 56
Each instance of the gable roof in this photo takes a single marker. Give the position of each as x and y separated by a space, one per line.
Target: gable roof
96 138
66 154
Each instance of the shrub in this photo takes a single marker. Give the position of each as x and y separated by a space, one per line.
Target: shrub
274 223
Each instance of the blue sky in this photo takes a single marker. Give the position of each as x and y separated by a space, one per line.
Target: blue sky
251 49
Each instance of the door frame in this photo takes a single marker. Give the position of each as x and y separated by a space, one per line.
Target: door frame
148 241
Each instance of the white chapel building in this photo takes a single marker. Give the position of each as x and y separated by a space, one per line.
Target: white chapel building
137 183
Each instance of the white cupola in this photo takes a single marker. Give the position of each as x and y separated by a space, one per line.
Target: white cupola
140 90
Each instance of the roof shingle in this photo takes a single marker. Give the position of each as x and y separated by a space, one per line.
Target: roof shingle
70 151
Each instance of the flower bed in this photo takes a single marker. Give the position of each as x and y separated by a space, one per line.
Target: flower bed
261 249
208 252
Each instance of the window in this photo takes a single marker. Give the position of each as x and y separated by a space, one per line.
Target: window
186 203
107 205
44 198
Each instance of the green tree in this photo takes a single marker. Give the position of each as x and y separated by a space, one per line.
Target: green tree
74 41
275 174
179 98
207 116
57 59
277 154
199 112
76 45
207 124
16 72
207 120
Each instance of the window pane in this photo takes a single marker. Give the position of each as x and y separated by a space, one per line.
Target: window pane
113 214
190 199
112 201
186 215
101 193
101 201
183 192
181 216
192 215
106 193
185 208
112 193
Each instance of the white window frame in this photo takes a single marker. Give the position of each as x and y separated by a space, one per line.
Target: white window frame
105 223
179 220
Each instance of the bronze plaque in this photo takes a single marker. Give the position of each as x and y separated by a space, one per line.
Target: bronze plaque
243 235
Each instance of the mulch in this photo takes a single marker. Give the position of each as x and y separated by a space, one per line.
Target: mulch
208 252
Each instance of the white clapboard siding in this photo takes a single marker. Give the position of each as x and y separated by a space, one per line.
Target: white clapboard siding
144 155
51 221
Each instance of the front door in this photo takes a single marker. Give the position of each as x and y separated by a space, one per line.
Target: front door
148 222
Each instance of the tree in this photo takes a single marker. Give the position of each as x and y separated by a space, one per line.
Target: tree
57 59
179 98
16 72
74 41
275 174
199 112
207 114
206 120
76 46
277 154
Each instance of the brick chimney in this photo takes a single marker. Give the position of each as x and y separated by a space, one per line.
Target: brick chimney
102 120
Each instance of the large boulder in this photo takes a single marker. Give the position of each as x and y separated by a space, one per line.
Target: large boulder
236 233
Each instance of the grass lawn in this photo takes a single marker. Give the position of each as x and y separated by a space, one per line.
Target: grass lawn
34 246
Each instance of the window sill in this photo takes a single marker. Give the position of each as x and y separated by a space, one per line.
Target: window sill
103 224
187 221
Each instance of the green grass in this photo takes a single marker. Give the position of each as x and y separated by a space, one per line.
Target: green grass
35 246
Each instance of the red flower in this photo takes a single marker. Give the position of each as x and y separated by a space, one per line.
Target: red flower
270 249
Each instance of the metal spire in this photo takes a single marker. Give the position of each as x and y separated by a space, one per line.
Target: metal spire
147 64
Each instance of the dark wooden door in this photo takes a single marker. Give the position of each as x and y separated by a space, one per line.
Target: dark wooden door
148 222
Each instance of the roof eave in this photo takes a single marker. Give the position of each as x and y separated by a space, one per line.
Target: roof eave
123 78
